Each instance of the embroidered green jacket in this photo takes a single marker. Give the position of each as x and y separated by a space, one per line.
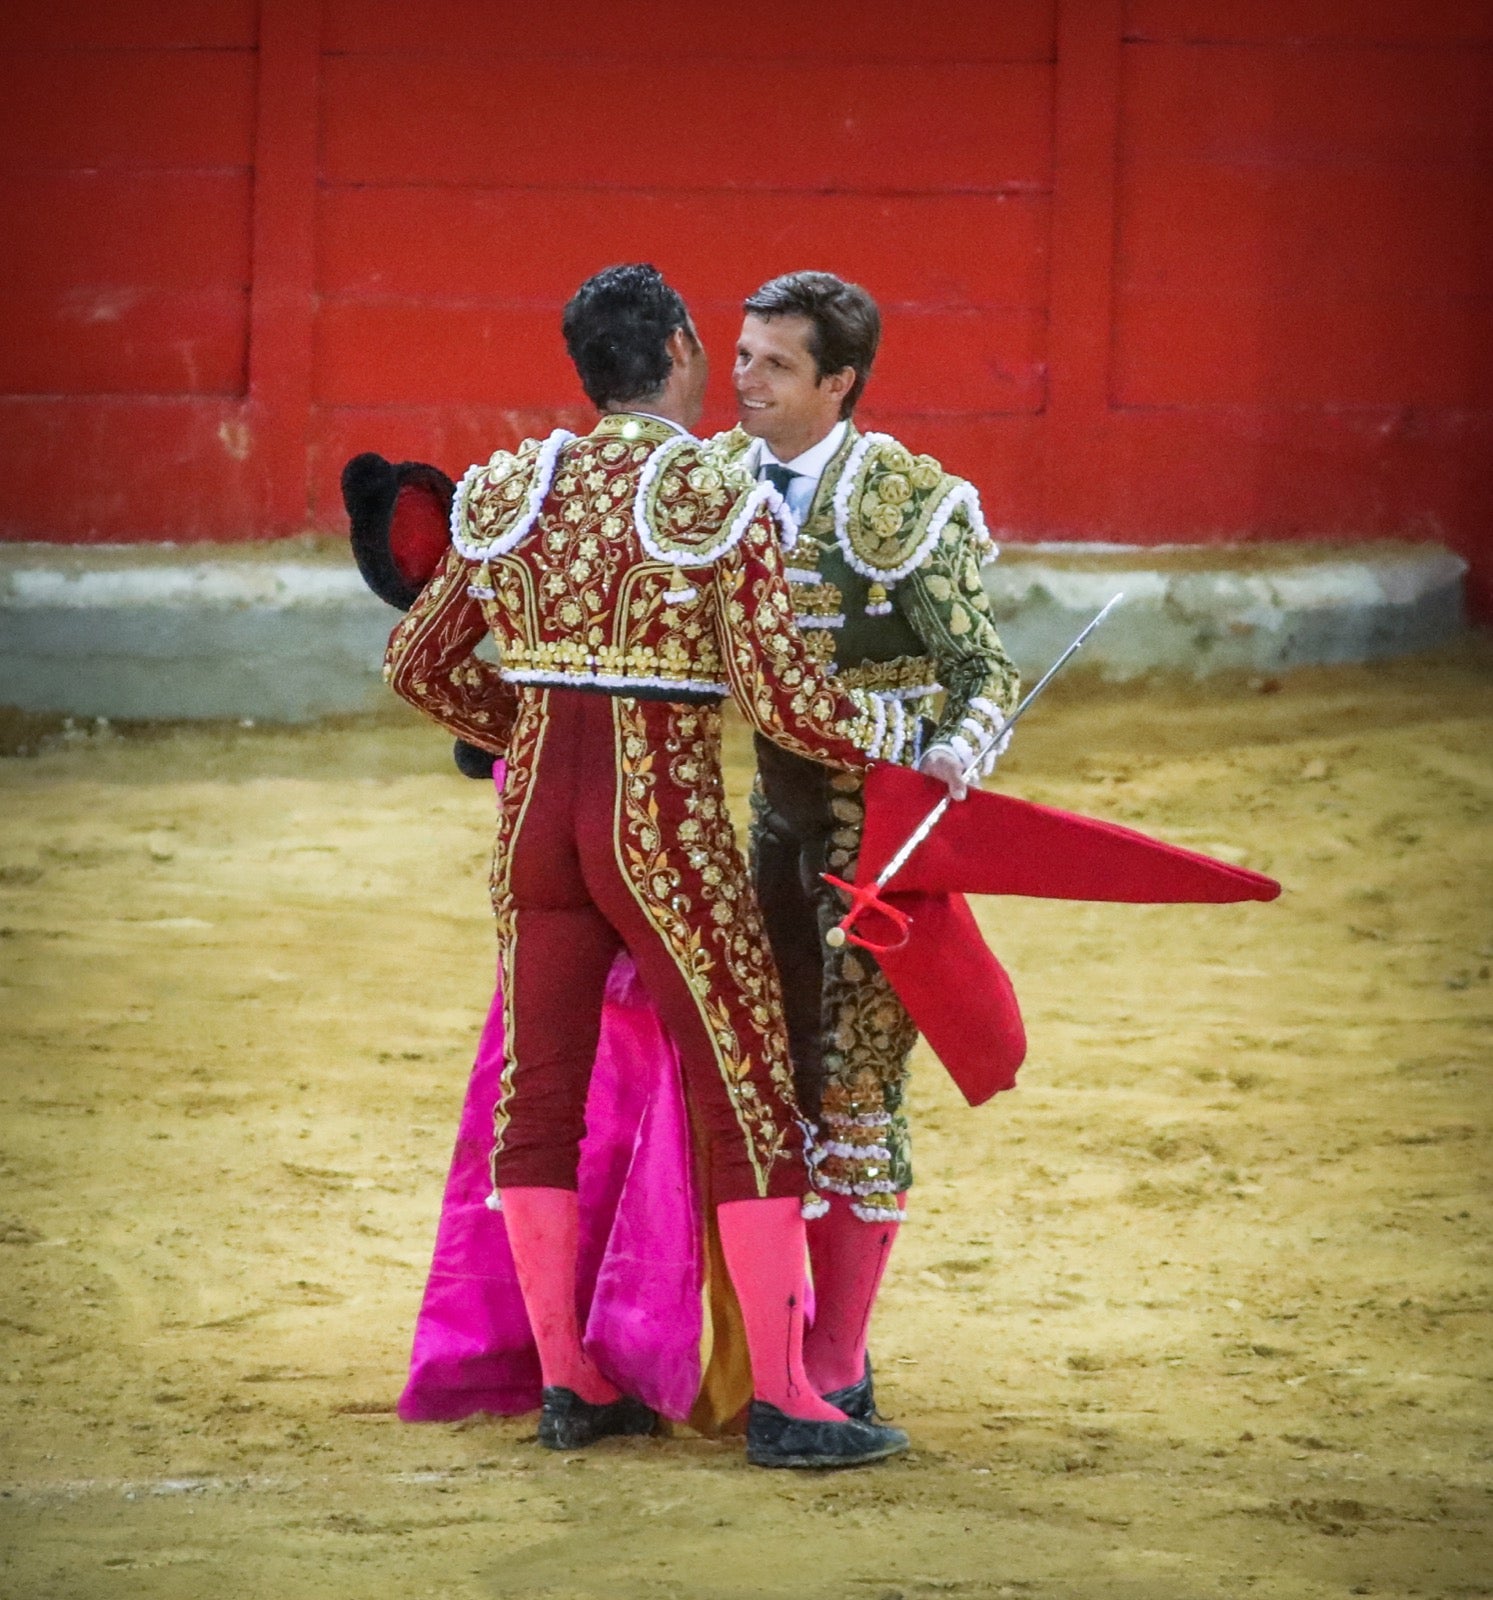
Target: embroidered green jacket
885 576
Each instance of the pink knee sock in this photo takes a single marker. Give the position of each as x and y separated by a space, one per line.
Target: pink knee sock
543 1228
763 1242
848 1257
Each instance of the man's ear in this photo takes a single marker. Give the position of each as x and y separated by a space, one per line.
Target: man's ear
840 383
679 344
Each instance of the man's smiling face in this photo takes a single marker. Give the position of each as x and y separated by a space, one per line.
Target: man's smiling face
780 396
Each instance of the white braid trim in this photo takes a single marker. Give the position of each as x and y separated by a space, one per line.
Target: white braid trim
814 1206
802 575
966 495
964 752
917 692
852 1152
677 597
804 620
996 717
962 494
478 592
609 680
993 752
878 727
958 747
788 525
872 1186
895 715
654 465
760 495
915 755
897 1214
867 1119
544 473
459 505
853 462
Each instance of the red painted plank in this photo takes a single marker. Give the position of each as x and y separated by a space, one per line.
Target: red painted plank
941 362
1342 350
1221 476
1339 107
951 364
282 310
82 471
680 30
463 244
1266 232
819 126
448 437
1310 21
187 108
173 230
164 24
82 341
411 354
1086 117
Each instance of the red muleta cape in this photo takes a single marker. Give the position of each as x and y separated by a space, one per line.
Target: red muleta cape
953 987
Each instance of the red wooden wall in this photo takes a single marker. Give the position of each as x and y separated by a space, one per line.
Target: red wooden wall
1153 270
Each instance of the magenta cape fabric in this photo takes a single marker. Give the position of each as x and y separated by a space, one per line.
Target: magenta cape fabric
641 1269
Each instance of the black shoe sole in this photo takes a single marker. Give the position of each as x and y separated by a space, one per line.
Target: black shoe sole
580 1426
825 1463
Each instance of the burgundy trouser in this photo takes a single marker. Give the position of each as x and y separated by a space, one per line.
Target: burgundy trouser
567 904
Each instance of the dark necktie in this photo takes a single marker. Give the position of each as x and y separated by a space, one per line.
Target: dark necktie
780 477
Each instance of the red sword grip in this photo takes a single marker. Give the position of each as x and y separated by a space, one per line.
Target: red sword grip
862 901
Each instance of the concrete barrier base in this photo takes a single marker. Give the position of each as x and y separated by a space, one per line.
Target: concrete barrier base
286 632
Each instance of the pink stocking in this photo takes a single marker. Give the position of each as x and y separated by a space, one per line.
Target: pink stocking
763 1242
543 1228
848 1257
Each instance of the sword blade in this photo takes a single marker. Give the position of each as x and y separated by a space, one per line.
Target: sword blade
930 822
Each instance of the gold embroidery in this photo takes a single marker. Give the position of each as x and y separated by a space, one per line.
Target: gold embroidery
524 750
699 900
817 600
903 673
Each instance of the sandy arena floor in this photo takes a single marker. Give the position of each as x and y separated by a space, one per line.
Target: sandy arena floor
1201 1310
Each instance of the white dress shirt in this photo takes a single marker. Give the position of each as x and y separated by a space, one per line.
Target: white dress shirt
809 465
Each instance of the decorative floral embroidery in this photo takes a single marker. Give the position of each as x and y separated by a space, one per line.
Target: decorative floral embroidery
681 501
429 662
513 806
891 508
498 501
677 847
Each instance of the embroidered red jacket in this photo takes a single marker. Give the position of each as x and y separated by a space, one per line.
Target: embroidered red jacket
624 560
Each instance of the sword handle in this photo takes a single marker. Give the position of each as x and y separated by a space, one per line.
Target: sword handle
862 901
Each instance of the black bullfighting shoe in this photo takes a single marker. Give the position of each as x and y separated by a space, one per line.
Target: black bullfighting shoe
857 1400
774 1439
566 1422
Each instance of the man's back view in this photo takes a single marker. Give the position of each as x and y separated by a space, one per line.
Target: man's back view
630 585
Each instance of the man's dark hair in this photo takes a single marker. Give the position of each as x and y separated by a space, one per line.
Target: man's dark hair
616 326
846 326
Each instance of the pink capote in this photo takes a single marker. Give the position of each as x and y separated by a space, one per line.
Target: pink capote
641 1268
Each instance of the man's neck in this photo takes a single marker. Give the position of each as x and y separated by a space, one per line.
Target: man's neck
801 447
664 407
